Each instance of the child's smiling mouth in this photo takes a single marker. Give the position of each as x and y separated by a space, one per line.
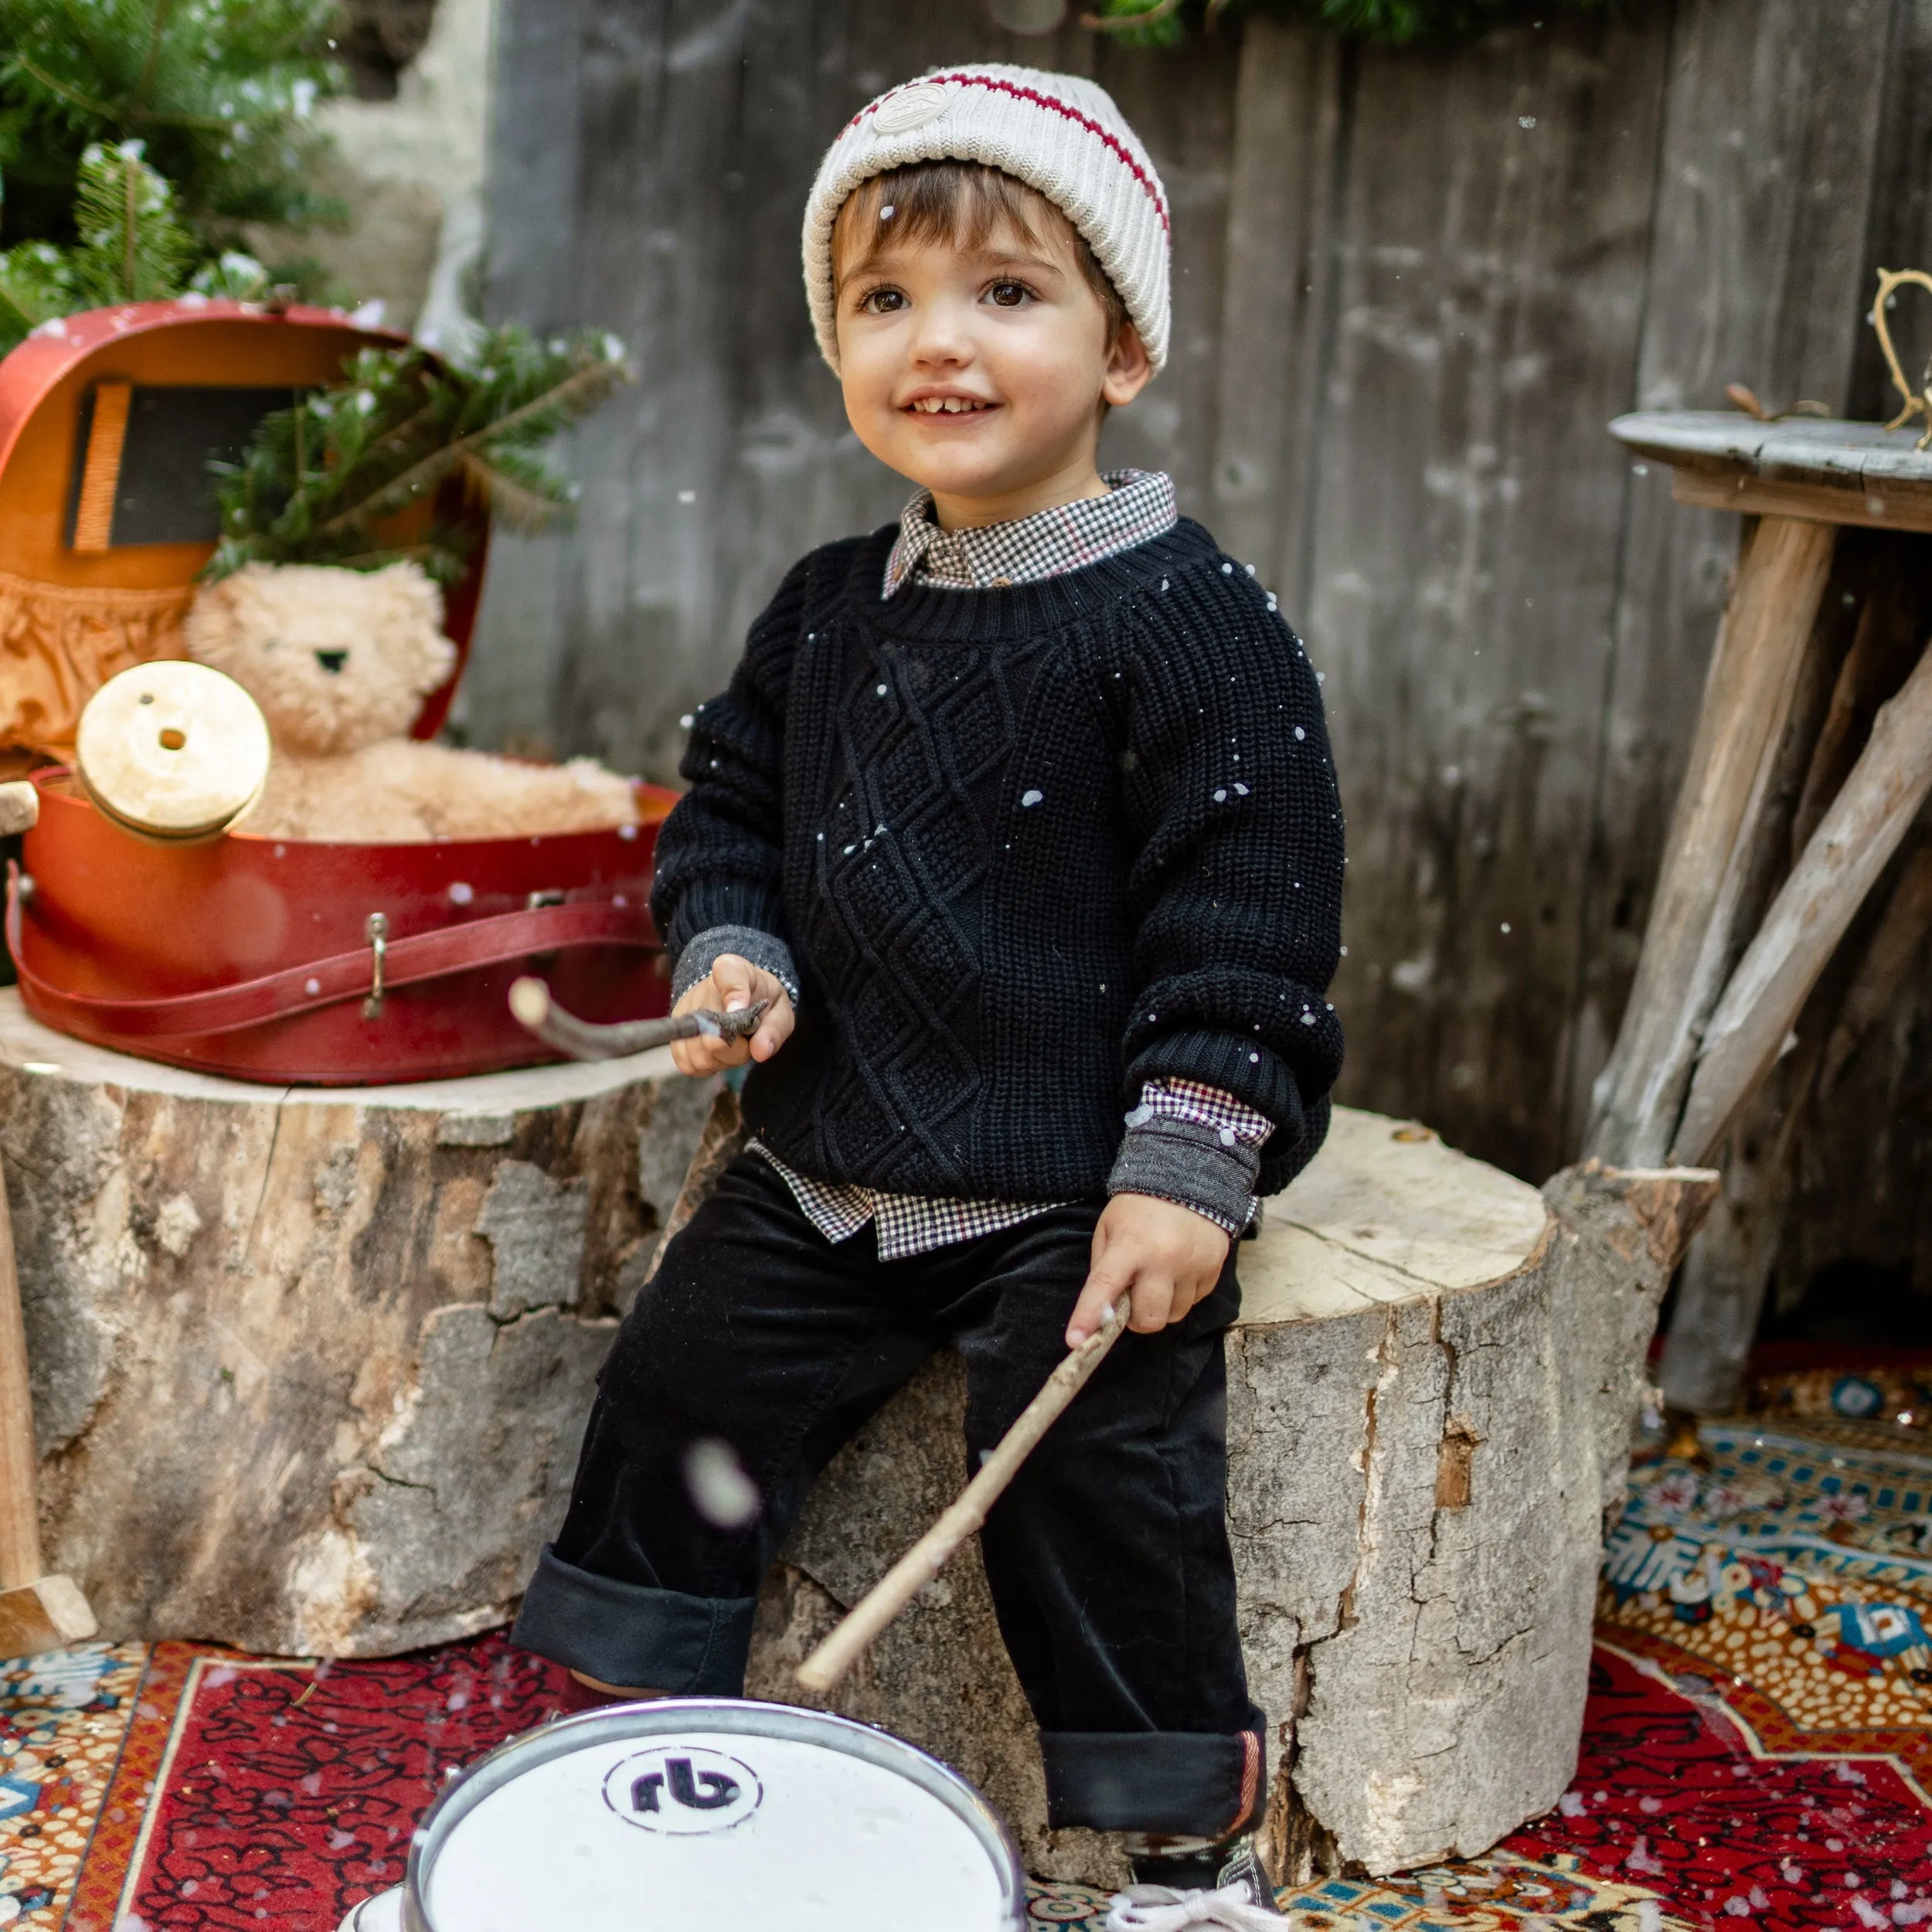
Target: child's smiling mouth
948 405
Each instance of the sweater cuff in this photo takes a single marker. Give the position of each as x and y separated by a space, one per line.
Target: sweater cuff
1183 1161
768 954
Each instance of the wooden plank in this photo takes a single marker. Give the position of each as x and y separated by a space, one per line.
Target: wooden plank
1295 89
509 693
1800 449
1874 506
1899 234
1185 113
1764 186
1490 246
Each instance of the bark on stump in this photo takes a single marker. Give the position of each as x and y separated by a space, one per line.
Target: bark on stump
1431 1392
311 1366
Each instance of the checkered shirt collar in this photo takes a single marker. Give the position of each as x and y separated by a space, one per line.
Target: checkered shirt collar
1139 505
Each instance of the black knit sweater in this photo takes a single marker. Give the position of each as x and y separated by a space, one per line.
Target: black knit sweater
1029 847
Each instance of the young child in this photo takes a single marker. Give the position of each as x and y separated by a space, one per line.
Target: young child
1020 816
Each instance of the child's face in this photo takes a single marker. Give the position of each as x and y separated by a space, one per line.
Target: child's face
978 371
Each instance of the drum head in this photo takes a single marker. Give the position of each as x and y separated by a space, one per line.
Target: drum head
731 1816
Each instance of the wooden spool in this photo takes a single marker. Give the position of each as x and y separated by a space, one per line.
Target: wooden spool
172 752
1431 1391
310 1366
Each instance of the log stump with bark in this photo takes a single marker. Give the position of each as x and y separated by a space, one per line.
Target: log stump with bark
1432 1387
310 1366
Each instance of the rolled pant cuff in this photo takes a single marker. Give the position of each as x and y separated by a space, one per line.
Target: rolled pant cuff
639 1638
1197 1783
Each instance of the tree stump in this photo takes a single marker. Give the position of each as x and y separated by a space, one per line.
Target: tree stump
1431 1392
311 1366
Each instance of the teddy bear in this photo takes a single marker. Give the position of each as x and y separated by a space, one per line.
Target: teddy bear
339 662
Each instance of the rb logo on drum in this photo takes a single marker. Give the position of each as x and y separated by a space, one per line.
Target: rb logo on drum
683 1789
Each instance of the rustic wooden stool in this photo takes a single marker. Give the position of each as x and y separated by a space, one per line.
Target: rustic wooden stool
1776 786
1431 1392
310 1366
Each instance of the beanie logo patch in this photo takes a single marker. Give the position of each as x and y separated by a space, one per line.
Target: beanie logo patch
911 107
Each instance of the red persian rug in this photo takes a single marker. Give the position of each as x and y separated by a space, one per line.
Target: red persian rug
251 1793
1757 1752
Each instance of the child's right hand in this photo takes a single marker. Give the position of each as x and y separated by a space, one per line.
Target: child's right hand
733 985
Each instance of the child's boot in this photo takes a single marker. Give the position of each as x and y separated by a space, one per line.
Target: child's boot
1215 1885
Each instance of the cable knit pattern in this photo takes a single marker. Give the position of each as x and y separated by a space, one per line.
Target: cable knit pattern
1029 848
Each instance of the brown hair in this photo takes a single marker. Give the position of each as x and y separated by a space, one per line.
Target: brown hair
962 202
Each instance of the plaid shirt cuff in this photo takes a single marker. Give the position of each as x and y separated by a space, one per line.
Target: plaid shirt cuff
1196 1146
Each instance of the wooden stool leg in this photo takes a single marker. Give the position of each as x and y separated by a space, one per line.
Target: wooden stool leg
37 1612
1688 945
1853 844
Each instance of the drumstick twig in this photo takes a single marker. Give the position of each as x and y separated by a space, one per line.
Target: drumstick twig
822 1670
582 1039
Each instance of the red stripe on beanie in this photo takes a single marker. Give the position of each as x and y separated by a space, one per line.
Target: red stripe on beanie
1039 99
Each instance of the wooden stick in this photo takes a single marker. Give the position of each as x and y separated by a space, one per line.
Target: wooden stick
37 1612
584 1039
1747 699
822 1670
1884 648
19 1468
1892 954
1853 843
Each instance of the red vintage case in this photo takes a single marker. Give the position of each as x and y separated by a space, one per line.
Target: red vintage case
260 958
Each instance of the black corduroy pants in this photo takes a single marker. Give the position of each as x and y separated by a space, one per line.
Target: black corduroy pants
1108 1557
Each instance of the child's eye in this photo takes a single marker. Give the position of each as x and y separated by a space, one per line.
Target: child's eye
883 301
1009 295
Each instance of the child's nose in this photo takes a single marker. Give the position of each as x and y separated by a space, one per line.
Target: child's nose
941 336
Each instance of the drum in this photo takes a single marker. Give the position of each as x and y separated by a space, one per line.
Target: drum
701 1811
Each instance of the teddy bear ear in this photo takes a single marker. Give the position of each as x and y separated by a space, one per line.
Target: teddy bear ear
415 606
209 625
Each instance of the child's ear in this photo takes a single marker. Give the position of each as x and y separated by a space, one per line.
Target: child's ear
1129 370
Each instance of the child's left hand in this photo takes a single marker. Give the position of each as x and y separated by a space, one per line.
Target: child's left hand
1167 1256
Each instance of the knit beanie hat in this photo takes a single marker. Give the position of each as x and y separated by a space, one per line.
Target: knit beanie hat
1061 135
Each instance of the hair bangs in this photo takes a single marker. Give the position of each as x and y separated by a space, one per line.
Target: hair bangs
964 204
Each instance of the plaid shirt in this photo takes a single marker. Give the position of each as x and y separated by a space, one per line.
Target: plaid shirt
914 1223
1139 505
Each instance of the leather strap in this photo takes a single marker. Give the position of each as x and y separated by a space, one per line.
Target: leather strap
327 982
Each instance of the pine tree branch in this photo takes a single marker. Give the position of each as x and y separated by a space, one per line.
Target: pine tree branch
206 124
523 508
129 226
580 388
72 96
20 309
163 9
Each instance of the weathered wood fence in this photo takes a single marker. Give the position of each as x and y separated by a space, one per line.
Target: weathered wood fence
1411 291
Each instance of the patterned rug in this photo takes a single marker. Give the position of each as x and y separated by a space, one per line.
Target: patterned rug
1757 1748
